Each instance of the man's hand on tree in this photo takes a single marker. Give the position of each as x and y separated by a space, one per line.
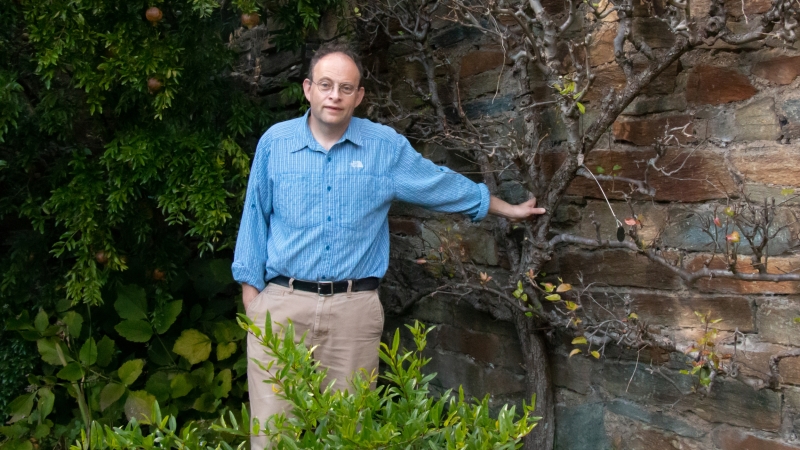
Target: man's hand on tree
514 213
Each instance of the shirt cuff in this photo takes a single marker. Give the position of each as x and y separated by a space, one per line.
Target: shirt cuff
244 274
483 209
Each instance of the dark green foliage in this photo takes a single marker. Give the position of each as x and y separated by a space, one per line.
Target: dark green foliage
124 155
400 414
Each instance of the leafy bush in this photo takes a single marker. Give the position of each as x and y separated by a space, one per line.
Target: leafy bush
398 414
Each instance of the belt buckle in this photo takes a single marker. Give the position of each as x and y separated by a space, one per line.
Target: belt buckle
319 288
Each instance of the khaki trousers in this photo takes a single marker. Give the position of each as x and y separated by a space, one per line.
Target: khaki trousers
345 328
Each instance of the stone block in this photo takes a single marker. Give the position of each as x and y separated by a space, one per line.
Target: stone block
481 61
608 77
737 8
781 71
757 121
651 105
728 438
664 83
433 310
628 380
654 32
713 85
580 427
488 82
484 347
768 163
405 226
776 265
453 35
601 49
775 320
278 62
656 418
753 355
615 268
573 373
652 215
700 174
646 131
679 310
488 107
759 192
736 403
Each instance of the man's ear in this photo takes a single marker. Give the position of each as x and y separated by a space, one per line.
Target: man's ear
307 89
359 95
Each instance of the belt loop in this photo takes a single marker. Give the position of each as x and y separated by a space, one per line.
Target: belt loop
349 287
291 285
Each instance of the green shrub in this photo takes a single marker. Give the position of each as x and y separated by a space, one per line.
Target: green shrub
398 414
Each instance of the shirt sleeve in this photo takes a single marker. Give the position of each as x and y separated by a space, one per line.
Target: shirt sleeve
418 180
250 255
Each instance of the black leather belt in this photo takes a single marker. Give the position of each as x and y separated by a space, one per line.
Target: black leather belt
326 288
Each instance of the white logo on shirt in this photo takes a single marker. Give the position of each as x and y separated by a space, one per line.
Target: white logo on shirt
356 165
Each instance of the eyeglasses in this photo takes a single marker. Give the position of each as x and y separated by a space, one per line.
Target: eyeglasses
326 86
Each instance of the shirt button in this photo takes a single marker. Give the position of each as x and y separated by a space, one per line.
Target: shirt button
329 218
329 159
329 188
327 247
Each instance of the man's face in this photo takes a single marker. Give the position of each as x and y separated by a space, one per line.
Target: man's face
333 109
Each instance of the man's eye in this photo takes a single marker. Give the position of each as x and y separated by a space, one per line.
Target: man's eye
347 89
325 85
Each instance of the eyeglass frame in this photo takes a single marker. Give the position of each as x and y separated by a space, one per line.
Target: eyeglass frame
334 86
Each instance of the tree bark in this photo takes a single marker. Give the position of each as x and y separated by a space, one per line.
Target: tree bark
537 381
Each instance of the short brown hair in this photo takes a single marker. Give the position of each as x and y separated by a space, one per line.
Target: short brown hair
330 48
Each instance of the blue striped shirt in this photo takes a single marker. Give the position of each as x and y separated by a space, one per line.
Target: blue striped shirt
318 215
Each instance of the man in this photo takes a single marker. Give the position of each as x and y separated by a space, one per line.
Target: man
314 237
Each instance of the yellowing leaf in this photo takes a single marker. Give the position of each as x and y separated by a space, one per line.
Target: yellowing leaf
579 340
553 297
564 287
548 287
574 352
787 191
572 306
633 316
596 354
193 345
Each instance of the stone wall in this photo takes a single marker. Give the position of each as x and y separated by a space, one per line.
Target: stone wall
741 108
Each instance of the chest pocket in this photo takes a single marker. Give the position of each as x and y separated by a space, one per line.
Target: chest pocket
299 199
360 199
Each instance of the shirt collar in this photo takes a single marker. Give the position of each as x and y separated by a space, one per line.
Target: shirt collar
306 139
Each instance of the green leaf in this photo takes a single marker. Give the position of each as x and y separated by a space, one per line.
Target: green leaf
581 108
52 351
130 371
41 321
224 351
222 384
20 407
46 401
228 331
600 169
105 351
110 394
193 345
71 372
181 385
206 403
165 315
787 191
139 406
134 330
131 302
159 385
553 297
616 167
88 353
74 323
